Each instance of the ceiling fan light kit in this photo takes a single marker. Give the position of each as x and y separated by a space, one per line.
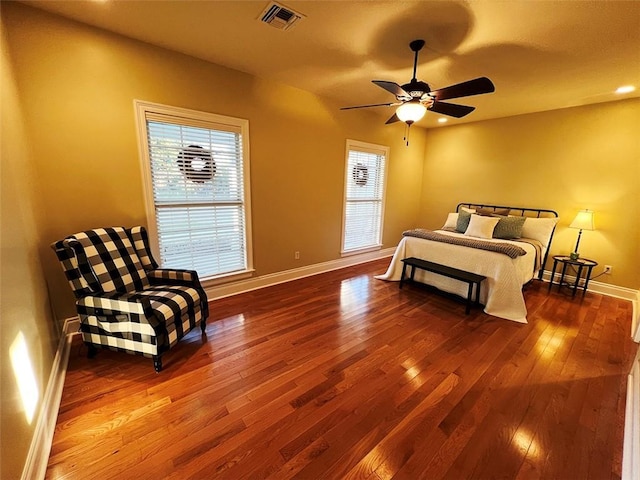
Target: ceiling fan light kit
416 97
411 112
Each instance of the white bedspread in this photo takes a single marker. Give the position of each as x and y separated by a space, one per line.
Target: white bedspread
501 292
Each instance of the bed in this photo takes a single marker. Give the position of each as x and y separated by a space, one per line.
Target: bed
475 238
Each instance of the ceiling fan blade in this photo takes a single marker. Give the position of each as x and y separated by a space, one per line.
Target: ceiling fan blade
394 118
373 105
451 109
477 86
392 88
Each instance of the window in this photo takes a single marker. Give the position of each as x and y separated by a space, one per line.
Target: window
196 171
364 196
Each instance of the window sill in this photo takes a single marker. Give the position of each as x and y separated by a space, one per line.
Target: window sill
227 278
347 253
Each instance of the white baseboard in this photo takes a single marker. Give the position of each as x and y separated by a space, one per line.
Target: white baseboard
38 456
635 322
72 326
599 287
611 291
631 446
242 286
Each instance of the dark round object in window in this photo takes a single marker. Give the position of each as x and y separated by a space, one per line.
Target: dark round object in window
360 174
196 163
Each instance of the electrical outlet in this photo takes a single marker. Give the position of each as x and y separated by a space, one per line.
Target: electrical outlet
296 255
607 268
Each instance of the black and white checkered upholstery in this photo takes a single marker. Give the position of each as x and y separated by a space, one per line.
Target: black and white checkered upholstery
124 301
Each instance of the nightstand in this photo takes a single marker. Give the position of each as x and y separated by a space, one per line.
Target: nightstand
584 267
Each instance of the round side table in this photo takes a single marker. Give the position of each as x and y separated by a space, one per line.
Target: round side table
584 267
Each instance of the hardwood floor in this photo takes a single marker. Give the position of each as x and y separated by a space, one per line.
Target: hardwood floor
341 375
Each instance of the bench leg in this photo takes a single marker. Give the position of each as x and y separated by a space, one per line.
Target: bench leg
404 271
470 282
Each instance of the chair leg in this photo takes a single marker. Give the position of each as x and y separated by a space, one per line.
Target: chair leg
92 350
203 325
157 363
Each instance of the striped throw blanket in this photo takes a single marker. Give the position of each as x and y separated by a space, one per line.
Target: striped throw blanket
508 249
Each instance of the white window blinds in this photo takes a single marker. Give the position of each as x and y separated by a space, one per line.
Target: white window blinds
364 196
197 176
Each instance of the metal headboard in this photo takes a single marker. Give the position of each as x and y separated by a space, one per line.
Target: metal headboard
522 212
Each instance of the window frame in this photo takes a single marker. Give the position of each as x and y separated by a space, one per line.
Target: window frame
371 148
192 118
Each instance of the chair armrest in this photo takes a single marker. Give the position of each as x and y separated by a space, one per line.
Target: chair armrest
166 276
188 278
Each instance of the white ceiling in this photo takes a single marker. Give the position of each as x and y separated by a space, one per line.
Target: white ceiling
541 55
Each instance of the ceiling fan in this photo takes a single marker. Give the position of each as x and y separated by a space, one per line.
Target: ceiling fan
416 97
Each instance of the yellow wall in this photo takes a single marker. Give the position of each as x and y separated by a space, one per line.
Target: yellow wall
24 307
565 160
78 85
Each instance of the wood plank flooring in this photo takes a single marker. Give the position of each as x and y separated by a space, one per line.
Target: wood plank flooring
342 376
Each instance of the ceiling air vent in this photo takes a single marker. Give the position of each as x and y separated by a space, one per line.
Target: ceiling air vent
279 16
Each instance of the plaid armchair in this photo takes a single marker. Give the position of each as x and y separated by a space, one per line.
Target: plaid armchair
124 301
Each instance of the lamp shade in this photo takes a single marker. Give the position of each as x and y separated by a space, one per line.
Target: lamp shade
411 112
583 220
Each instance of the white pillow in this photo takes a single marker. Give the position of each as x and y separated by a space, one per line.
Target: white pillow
470 210
452 221
539 229
481 227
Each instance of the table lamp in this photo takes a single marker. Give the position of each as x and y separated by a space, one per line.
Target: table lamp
583 221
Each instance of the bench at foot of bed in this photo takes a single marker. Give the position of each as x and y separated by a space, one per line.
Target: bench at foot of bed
468 277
